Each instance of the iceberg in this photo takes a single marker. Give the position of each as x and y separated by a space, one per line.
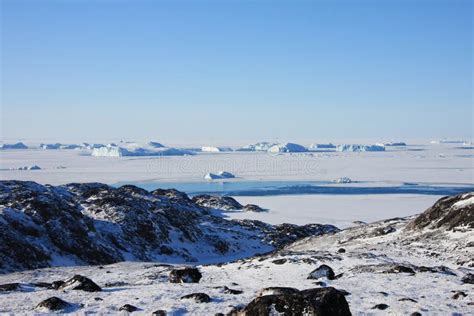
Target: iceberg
34 167
50 146
287 148
135 150
395 144
13 146
211 149
321 146
343 180
359 148
261 146
219 175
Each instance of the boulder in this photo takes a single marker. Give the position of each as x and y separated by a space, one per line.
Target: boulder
79 282
468 278
323 271
185 275
128 308
53 304
318 302
10 287
197 297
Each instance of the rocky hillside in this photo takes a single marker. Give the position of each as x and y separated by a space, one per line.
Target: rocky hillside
93 223
387 267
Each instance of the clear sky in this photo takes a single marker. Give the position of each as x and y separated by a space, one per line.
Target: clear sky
230 70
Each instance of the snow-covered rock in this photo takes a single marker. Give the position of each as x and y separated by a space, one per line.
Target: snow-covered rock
13 146
287 148
211 149
359 148
219 175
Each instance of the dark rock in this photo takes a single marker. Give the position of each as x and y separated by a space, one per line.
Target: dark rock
159 312
446 213
323 271
185 275
9 287
415 314
380 306
252 208
459 294
341 250
232 291
128 308
320 283
319 302
197 297
53 304
407 299
279 261
79 282
468 278
98 299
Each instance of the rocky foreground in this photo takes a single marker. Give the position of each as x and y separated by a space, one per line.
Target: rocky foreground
418 265
93 223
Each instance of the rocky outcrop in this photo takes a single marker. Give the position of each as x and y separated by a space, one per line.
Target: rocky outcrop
318 301
93 223
219 202
449 212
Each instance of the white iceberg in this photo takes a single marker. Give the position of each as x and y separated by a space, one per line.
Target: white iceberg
50 146
321 146
359 148
261 146
395 144
219 175
343 180
134 149
212 149
287 148
13 146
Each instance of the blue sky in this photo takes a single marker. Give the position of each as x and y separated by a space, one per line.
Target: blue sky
230 70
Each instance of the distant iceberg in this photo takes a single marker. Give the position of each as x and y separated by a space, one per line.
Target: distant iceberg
219 175
287 148
211 149
13 146
343 180
447 141
135 150
321 146
261 146
395 144
50 146
359 148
